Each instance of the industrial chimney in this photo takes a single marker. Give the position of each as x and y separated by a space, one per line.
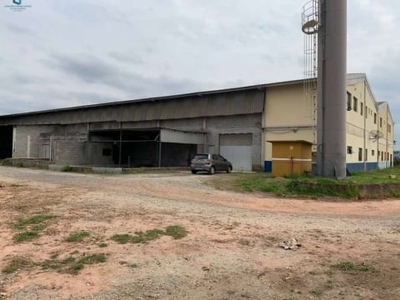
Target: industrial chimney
331 26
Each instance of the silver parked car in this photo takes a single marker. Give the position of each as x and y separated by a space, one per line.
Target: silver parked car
210 163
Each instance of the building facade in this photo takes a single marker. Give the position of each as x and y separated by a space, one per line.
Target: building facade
290 115
241 124
154 132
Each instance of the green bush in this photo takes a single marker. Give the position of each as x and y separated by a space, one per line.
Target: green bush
67 169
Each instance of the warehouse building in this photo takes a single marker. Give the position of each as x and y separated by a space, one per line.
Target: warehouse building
242 124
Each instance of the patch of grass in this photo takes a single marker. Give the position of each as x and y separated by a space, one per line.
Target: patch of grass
67 168
176 231
25 236
307 185
10 163
103 245
6 162
77 236
39 227
32 227
153 234
70 264
15 185
254 182
143 237
350 266
92 259
54 256
314 187
38 219
345 266
68 260
140 237
17 263
74 269
388 175
50 264
121 238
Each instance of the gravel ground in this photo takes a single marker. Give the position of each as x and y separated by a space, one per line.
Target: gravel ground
349 250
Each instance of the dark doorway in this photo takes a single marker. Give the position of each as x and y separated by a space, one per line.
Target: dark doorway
130 148
143 148
6 138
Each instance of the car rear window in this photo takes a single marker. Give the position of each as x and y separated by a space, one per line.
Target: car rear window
201 156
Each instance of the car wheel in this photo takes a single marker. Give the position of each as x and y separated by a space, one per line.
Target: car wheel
229 169
194 172
212 171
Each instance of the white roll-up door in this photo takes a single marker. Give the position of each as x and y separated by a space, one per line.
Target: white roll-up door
237 148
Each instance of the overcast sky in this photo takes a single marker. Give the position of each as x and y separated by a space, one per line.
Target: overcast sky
62 53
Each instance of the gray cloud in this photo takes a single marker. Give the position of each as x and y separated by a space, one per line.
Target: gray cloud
17 29
95 71
127 58
84 67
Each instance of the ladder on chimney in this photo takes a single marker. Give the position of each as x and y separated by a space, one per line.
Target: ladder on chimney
310 25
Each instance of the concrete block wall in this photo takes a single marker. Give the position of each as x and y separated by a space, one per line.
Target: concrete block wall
69 152
28 139
94 154
69 145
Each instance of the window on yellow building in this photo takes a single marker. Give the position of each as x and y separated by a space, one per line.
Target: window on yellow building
372 152
355 103
374 118
359 154
348 101
349 150
361 108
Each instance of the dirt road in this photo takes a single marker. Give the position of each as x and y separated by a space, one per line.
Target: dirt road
231 250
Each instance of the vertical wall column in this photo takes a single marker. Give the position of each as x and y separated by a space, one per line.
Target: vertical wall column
28 146
331 120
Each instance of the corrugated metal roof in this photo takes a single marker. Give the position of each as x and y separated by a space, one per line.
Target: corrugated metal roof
352 78
154 99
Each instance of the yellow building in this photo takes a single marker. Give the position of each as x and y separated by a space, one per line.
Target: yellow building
290 115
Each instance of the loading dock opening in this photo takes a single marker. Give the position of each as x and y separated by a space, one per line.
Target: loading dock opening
146 147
